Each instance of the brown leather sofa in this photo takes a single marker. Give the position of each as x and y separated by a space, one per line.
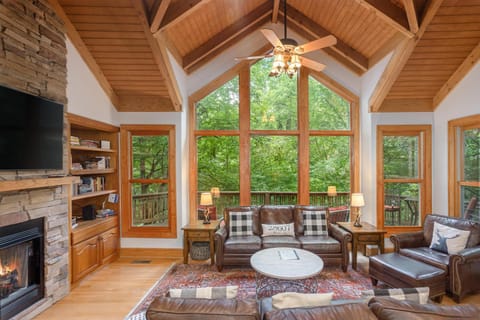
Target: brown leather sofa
462 269
165 308
333 249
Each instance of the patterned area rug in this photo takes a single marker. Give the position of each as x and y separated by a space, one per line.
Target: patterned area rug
347 285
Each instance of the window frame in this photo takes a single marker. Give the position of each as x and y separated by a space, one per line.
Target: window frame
424 178
456 128
245 133
128 230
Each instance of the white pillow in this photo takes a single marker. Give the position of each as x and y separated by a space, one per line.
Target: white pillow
278 230
228 292
447 239
300 300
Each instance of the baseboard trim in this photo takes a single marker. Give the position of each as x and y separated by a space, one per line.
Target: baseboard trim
151 252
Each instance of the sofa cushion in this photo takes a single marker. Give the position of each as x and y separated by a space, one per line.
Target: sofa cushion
280 241
342 311
278 230
462 224
248 244
320 244
164 308
227 292
447 239
315 223
387 308
419 295
424 254
300 300
241 223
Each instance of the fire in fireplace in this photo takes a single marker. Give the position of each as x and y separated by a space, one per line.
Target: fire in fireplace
21 266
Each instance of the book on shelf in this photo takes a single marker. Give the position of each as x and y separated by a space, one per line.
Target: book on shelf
89 143
91 184
74 141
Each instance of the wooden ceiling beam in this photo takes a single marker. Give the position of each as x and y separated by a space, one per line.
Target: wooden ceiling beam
467 65
400 57
142 103
411 15
179 10
276 6
227 37
158 15
390 13
82 49
407 105
314 29
161 58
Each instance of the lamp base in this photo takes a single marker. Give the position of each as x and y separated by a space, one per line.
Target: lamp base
206 221
357 224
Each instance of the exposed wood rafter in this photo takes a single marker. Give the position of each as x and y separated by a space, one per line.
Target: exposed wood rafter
161 58
85 54
457 76
400 58
390 13
411 15
302 22
179 10
227 37
158 15
276 6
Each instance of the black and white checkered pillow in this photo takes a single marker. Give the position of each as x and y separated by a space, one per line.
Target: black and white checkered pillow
418 295
241 223
315 223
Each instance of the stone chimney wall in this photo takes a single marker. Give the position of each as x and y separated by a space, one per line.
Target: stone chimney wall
33 60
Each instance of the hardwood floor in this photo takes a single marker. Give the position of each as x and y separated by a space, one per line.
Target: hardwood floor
111 292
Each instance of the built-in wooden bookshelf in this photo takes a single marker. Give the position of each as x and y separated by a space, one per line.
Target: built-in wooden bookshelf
94 242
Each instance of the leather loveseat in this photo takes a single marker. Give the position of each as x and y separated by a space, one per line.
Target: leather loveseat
237 250
462 268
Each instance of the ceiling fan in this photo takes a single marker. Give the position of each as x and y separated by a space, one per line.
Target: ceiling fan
287 53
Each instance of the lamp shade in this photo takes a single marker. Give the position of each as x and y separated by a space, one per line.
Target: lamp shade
215 192
206 199
357 200
332 191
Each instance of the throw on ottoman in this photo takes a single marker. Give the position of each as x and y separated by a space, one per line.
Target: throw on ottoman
399 271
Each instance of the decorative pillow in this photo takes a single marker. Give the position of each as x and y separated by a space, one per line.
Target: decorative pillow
315 223
278 230
418 295
228 292
447 239
241 224
300 300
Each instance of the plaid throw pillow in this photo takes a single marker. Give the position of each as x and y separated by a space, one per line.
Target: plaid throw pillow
228 292
418 295
241 224
315 223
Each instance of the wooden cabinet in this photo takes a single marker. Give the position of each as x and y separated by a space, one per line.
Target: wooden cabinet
93 242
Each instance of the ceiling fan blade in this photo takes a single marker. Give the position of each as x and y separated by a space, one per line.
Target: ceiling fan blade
253 57
272 37
317 44
314 65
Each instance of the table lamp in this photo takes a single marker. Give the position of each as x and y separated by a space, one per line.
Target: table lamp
206 200
215 191
331 192
357 202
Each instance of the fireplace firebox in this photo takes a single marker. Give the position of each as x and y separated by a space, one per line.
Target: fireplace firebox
21 266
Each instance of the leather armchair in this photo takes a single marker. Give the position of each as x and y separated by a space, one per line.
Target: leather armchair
463 268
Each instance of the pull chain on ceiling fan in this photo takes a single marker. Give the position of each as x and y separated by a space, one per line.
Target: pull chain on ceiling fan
287 53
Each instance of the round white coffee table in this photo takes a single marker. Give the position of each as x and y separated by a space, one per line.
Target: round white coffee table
285 269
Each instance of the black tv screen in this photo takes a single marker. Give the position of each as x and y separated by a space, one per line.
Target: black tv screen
31 132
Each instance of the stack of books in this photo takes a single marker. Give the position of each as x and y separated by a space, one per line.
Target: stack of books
89 143
74 141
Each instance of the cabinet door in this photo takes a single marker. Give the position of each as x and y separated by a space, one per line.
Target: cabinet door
109 245
85 258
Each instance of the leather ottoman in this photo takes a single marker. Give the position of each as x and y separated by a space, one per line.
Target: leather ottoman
399 271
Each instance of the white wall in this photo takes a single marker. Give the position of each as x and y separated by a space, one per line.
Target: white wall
85 96
463 101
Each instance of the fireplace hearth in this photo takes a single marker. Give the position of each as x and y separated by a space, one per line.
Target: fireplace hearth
21 266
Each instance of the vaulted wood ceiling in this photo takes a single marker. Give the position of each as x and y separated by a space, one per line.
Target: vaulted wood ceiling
434 42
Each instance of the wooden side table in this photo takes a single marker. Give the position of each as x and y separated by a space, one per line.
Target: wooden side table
199 232
367 234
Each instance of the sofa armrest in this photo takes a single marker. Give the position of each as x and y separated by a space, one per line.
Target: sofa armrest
464 269
220 237
339 233
467 255
407 240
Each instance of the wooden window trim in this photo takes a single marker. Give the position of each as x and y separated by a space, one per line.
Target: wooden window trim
424 178
128 230
455 163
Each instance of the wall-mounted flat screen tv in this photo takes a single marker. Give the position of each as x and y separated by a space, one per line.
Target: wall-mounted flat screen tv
31 132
